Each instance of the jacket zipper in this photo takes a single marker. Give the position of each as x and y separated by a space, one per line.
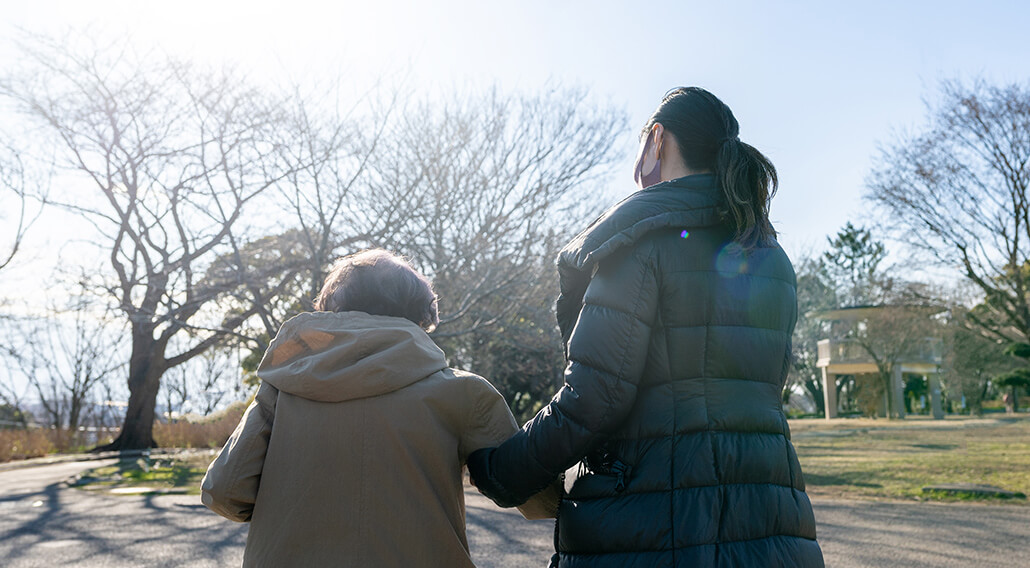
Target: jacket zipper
556 558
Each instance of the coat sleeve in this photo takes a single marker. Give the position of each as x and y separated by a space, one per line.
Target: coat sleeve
607 351
231 484
489 420
489 424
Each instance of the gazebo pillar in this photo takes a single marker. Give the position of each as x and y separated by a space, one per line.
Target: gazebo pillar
829 394
933 382
898 386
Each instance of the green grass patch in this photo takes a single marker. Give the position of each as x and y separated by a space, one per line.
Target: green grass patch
148 475
954 495
895 459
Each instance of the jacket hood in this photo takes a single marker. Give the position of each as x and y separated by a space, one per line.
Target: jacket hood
333 357
691 201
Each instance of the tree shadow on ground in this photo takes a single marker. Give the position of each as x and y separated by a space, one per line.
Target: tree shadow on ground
75 528
936 446
815 480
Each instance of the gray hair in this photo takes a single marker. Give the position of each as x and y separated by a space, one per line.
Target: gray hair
379 282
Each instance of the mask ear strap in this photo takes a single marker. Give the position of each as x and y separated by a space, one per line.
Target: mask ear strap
659 139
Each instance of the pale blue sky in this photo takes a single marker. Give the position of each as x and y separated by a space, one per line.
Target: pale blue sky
815 85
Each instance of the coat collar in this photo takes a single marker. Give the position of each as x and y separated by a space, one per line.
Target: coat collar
692 201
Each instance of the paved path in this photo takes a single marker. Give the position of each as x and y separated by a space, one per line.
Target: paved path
931 535
42 523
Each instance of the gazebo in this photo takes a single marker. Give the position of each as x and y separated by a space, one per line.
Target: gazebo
842 354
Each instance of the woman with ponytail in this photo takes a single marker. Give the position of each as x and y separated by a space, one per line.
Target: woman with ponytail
676 309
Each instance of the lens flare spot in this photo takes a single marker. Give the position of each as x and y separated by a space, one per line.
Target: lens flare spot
684 234
731 261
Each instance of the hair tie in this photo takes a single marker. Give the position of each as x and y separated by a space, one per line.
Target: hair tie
729 139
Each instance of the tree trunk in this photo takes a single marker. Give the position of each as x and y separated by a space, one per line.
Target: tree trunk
888 394
145 370
815 388
73 419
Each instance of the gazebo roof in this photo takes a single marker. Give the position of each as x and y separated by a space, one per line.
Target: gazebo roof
864 311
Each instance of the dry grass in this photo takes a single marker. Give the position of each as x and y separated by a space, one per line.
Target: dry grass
208 432
864 458
24 444
16 444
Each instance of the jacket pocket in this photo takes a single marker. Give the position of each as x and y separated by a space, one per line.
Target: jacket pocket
606 464
621 471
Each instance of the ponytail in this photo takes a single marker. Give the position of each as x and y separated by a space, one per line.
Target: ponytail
748 181
707 135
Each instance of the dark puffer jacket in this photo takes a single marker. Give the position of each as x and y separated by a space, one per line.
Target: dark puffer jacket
678 345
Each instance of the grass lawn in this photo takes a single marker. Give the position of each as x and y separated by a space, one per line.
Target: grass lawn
180 474
844 458
864 458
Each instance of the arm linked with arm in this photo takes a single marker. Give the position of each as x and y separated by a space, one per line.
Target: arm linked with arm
607 351
489 424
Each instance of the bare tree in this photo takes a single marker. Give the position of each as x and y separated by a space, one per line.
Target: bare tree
522 352
204 384
486 185
888 336
972 358
478 191
957 191
328 151
474 191
65 356
325 153
271 274
816 292
13 411
169 158
24 197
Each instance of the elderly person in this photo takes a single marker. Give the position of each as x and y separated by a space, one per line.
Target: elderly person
676 307
352 452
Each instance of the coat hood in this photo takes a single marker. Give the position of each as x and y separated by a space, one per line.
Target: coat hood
333 357
691 201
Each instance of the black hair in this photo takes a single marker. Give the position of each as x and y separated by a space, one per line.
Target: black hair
707 134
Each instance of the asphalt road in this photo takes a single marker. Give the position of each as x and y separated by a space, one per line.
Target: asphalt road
43 523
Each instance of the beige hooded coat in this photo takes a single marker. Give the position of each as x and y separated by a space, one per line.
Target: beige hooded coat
352 452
